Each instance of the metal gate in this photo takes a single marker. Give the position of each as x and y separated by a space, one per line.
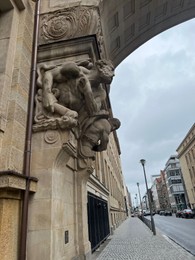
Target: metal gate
98 221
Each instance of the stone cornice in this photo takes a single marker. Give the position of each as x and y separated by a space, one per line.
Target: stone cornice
14 180
185 144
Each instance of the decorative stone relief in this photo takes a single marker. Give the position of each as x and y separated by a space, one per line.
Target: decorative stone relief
51 136
70 23
71 96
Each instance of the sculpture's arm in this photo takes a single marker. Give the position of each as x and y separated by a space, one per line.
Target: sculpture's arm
85 88
48 97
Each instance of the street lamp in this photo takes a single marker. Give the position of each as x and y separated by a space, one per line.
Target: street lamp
142 161
139 197
135 200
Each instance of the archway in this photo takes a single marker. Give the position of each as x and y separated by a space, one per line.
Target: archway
127 24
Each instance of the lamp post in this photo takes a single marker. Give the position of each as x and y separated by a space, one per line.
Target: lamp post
139 197
142 161
135 199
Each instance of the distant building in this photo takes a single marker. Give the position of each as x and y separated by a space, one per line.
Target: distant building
174 183
155 196
145 204
159 192
186 155
162 192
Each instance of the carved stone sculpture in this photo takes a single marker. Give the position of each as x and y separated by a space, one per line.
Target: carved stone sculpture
70 95
95 136
70 23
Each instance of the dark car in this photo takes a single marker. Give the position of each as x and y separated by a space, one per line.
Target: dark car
168 213
178 214
187 213
132 214
161 213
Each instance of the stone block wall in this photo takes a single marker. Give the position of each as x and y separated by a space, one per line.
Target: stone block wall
16 26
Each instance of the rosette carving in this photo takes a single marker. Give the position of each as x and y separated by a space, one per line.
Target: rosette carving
51 137
69 23
58 25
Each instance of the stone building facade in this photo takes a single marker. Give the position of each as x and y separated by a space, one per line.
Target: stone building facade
162 196
51 162
186 155
51 172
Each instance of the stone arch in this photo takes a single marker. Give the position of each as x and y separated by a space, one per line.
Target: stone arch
127 24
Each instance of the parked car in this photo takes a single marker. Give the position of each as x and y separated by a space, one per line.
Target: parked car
132 213
178 214
146 212
161 213
167 213
187 213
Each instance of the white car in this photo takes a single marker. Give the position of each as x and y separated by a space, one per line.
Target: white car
187 213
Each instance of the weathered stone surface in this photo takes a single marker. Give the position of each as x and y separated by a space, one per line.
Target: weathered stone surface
58 4
9 228
36 240
12 181
121 26
54 206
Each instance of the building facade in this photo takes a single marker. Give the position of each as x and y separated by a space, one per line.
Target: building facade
161 196
107 203
53 186
51 164
186 155
174 184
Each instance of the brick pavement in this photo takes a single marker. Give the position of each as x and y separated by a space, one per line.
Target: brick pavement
132 240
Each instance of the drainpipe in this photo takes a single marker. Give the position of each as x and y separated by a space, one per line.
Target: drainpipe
28 138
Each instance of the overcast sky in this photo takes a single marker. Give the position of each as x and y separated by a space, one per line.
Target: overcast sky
153 95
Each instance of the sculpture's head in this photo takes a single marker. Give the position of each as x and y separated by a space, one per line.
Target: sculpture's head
106 70
115 123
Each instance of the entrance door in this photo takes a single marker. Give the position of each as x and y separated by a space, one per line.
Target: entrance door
98 222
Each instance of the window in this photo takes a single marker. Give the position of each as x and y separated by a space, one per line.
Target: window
190 173
187 159
172 173
176 181
173 165
177 172
193 153
189 155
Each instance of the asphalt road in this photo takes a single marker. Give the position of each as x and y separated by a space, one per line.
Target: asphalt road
182 231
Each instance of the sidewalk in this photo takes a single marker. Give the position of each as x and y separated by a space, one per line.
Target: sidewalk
133 240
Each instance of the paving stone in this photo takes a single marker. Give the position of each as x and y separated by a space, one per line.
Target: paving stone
134 241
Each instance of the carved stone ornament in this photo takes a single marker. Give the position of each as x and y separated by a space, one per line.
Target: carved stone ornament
51 137
70 23
87 164
71 96
58 25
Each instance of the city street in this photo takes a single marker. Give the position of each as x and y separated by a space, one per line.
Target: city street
179 229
